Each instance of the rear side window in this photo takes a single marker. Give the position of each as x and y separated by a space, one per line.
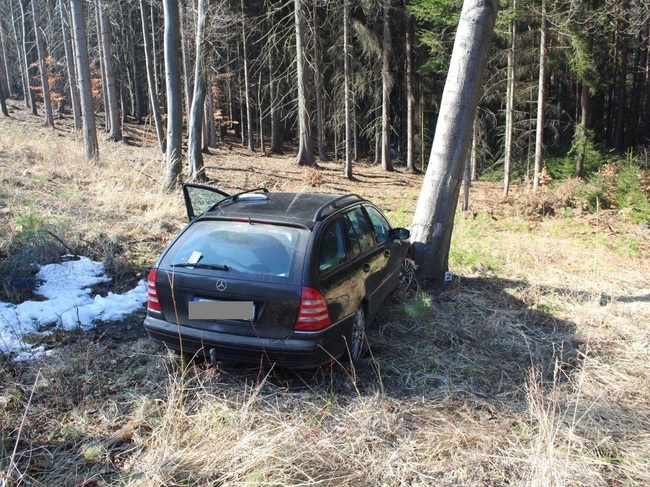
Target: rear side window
259 249
332 248
359 231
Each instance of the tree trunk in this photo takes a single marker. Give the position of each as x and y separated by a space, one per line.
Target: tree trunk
346 64
276 139
112 109
621 107
541 101
45 82
305 148
247 88
187 82
69 62
28 58
582 131
196 169
174 95
85 88
510 103
151 79
386 86
3 104
410 96
435 210
318 88
5 76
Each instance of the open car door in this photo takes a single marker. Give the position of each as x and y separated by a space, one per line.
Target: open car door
200 198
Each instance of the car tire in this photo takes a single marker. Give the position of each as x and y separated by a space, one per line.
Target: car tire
356 340
407 274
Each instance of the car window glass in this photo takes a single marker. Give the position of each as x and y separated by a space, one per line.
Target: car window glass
359 232
248 249
381 225
332 249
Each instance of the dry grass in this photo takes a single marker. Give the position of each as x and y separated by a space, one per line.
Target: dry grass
531 368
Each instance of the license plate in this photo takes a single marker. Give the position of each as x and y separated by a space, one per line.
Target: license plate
210 309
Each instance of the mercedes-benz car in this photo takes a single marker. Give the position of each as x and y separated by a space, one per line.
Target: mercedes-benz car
291 279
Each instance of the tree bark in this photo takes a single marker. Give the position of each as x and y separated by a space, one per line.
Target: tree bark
174 95
305 148
85 88
541 100
30 74
112 110
45 82
510 103
151 79
386 87
194 148
410 96
75 102
247 88
346 64
436 206
276 139
318 88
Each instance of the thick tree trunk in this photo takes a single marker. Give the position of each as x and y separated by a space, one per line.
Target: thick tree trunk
386 87
435 210
3 103
151 79
75 102
45 81
5 76
174 95
112 109
196 169
305 148
541 100
83 73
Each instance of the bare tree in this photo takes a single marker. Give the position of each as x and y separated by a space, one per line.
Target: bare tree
510 103
196 169
434 214
69 63
45 82
151 78
386 86
27 55
541 99
174 94
107 60
83 72
346 68
305 148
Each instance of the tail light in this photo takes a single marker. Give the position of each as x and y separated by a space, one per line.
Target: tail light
313 314
152 293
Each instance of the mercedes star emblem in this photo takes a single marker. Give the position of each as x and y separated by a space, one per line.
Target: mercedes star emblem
221 285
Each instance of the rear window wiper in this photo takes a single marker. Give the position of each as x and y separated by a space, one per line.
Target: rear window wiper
214 267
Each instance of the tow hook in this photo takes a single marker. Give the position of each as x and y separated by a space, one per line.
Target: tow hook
213 357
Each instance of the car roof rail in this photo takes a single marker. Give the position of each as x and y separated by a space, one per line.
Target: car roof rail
234 197
335 204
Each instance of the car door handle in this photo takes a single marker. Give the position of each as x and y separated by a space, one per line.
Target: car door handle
366 267
387 253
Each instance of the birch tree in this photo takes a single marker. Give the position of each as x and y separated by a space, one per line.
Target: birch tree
541 100
305 155
434 214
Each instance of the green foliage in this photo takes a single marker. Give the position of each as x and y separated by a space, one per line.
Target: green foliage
419 307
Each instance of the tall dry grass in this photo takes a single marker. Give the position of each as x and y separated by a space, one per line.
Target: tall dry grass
531 369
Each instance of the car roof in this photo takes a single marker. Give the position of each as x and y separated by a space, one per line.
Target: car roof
299 209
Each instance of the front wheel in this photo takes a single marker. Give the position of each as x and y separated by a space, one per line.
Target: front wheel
357 337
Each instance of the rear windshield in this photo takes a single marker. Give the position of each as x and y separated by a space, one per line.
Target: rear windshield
242 247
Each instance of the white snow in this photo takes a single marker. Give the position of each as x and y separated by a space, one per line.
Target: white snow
68 305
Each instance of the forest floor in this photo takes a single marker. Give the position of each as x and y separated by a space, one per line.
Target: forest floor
531 368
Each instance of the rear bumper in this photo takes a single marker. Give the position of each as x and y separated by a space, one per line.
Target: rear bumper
306 350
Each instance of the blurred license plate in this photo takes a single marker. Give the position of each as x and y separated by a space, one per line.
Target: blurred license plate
209 309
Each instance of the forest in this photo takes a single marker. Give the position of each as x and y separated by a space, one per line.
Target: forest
565 79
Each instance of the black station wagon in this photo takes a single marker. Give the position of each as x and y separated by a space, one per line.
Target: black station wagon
290 279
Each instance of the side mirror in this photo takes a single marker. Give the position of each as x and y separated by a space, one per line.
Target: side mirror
401 233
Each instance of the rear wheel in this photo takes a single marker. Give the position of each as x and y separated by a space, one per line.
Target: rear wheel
357 338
